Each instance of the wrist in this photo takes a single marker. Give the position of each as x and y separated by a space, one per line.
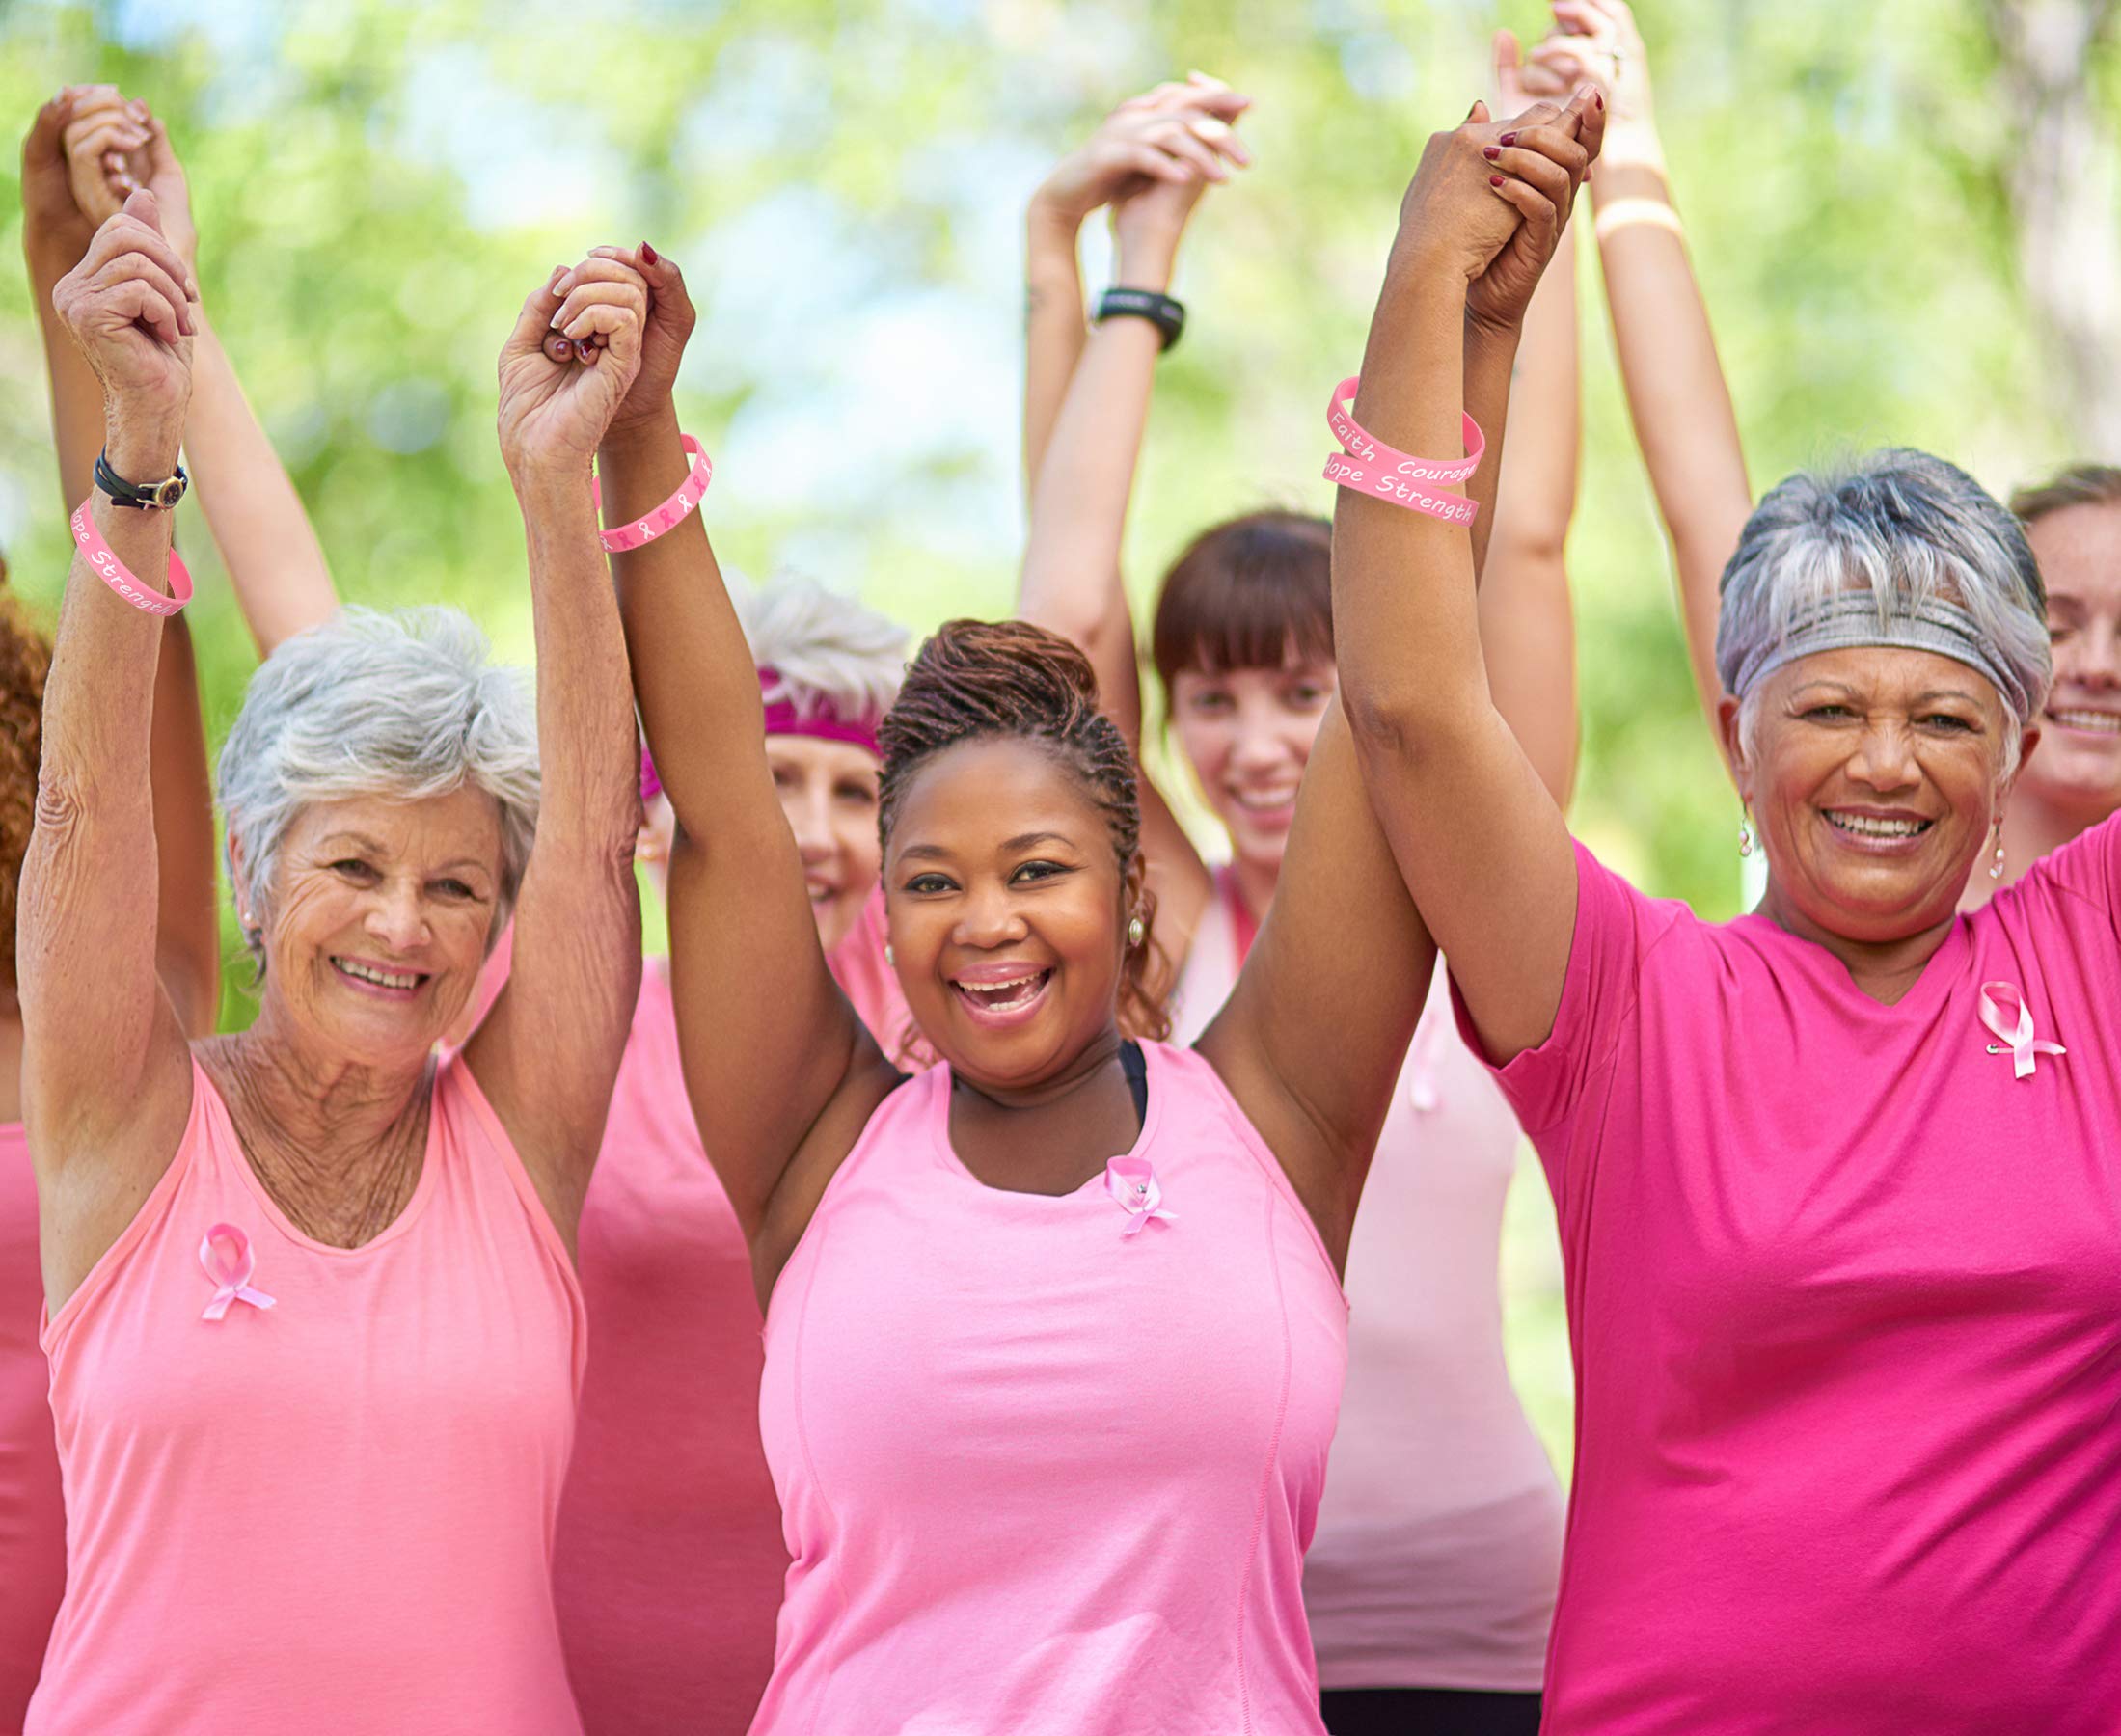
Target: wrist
142 446
1148 267
1052 225
1487 334
628 437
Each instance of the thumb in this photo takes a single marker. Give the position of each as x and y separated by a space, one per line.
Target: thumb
45 147
1476 114
143 208
534 324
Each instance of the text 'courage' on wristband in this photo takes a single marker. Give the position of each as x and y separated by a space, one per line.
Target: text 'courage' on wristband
1368 466
103 561
690 493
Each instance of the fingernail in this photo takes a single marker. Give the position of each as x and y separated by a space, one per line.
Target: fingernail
554 321
1492 152
1599 97
1494 180
648 252
1508 139
583 350
558 348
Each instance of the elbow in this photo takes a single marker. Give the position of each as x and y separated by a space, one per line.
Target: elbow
1403 721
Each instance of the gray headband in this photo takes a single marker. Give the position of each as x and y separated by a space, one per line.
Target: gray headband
1854 618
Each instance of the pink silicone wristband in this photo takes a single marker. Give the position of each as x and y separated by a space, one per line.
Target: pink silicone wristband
1396 490
688 495
1357 442
115 574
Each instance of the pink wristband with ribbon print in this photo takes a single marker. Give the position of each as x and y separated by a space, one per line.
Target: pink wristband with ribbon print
103 561
690 494
1367 464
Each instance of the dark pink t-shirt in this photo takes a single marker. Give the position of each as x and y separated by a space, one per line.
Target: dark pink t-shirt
1844 1295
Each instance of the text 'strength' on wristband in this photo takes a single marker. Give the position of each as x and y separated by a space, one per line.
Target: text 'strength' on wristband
115 573
1368 465
647 529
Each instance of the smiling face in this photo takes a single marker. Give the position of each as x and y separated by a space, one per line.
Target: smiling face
829 791
381 911
1248 733
1008 911
2078 770
1875 776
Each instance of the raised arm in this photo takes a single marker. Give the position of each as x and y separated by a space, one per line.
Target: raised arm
275 563
1071 581
106 1079
781 1073
1676 395
1477 836
546 1053
1527 628
55 234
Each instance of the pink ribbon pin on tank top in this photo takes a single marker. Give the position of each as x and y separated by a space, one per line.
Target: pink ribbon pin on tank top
1999 1002
1134 1184
224 1251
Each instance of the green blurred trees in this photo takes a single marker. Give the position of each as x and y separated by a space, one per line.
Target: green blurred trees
379 184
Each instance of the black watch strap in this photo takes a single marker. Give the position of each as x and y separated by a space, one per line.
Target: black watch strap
1165 312
161 496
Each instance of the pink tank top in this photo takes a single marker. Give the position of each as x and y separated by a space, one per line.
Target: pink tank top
1051 1463
1439 1538
670 1562
33 1522
335 1515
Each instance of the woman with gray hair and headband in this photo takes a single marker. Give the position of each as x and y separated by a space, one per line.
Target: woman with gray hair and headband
1839 1182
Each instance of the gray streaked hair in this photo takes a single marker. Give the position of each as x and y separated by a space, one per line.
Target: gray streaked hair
833 654
1897 547
404 705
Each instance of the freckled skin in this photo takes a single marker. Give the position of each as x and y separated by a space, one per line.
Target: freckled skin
1251 730
410 886
1882 731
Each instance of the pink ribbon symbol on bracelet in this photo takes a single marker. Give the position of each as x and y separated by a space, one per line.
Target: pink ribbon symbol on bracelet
1134 1184
690 493
1999 1002
224 1251
1365 464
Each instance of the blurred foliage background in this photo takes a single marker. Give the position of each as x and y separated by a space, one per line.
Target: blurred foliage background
1902 213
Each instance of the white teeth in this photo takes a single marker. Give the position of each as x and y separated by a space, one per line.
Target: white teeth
2105 722
384 978
1865 826
1262 800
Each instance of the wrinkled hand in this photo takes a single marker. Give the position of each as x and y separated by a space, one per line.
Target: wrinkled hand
554 413
671 317
131 306
1598 40
114 148
1179 134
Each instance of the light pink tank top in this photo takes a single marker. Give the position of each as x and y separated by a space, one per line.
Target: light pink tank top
33 1521
1051 1463
332 1516
1439 1538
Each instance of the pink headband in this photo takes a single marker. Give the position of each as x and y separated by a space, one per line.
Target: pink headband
826 722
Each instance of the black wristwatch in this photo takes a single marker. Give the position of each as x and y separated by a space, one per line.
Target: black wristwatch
159 495
1163 311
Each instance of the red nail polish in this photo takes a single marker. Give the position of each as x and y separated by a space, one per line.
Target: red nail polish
558 348
1599 97
648 252
1494 180
1492 152
1508 139
582 351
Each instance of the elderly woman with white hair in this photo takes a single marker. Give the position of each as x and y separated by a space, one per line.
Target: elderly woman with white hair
1839 1182
670 1562
314 1331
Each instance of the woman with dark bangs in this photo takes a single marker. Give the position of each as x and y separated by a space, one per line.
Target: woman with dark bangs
1431 1580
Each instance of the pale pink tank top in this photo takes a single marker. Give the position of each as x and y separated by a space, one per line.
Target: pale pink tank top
1439 1539
33 1521
1051 1463
332 1516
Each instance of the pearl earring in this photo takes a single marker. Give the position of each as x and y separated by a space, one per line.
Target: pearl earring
1745 834
1995 867
891 958
1135 932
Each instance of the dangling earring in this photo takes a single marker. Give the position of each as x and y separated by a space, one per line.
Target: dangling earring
891 958
1995 867
1744 832
1135 932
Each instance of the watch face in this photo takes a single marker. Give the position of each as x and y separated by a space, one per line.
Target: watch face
168 492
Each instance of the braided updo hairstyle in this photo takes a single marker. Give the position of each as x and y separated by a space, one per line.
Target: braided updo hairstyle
25 659
975 680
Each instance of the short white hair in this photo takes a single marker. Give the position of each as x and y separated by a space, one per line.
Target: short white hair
831 652
406 705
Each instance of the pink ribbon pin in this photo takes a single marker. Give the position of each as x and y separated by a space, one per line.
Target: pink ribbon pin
1998 1001
224 1251
1134 1184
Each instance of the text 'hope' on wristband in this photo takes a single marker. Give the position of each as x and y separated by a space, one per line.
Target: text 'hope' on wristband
103 561
690 493
1368 465
1165 312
